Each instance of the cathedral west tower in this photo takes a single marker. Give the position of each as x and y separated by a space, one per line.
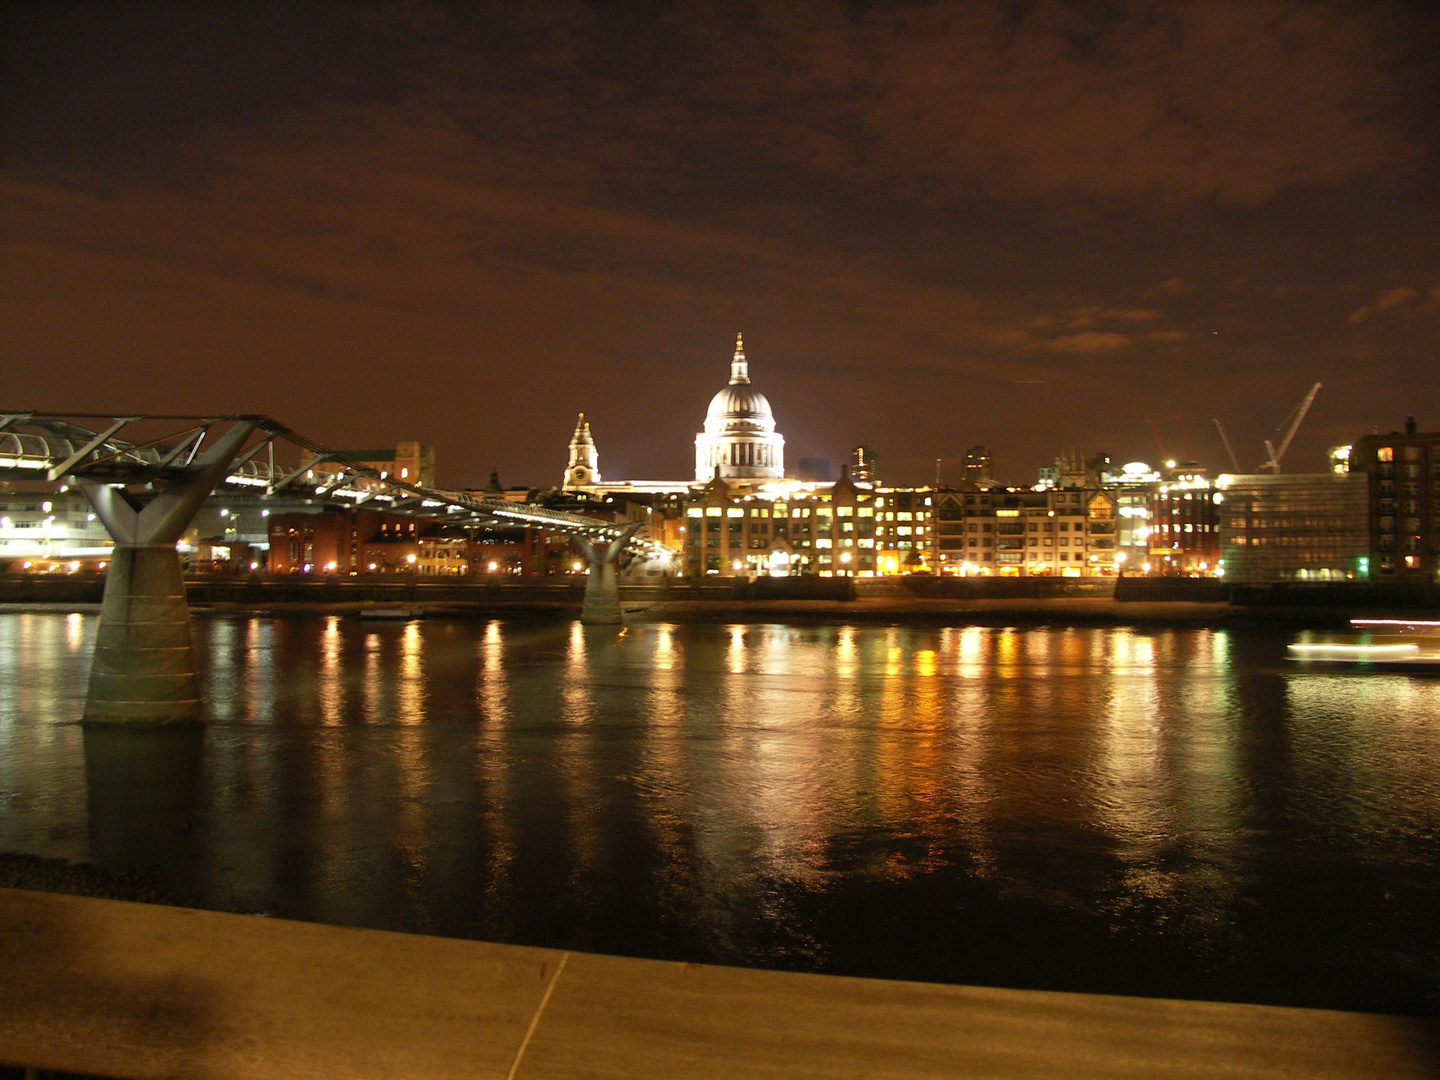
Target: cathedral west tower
584 467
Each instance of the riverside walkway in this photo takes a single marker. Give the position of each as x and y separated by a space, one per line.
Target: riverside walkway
118 989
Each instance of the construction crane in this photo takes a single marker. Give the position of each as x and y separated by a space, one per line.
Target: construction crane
1273 465
1158 444
1184 439
1234 461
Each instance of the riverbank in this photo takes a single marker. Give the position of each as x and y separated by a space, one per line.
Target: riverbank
1055 611
19 870
1060 611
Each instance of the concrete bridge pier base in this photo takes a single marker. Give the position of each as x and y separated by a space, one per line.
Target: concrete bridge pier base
143 671
144 664
602 587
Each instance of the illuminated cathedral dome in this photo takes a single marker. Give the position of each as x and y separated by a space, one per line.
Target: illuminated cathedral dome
739 436
738 406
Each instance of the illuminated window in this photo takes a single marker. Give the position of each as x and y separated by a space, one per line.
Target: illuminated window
695 511
1385 453
712 511
845 511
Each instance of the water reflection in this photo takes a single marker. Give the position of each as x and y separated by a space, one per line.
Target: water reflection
1158 811
411 691
330 694
143 795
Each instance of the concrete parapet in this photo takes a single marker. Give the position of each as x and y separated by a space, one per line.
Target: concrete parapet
111 988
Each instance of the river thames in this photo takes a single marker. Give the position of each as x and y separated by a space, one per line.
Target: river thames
1161 812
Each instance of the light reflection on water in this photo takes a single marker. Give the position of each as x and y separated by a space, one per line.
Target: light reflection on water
1154 812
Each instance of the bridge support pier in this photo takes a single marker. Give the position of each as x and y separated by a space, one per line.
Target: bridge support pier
602 587
143 670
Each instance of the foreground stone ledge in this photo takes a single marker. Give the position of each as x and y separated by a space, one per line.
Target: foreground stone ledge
136 990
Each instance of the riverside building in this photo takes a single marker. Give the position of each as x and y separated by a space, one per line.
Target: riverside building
1023 532
1403 514
1293 527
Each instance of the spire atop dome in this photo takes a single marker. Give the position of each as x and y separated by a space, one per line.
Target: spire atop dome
739 369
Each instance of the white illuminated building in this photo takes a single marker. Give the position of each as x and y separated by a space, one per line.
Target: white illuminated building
739 439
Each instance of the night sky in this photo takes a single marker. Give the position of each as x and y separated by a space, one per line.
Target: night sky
1024 225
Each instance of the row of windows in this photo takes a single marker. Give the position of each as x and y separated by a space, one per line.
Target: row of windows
799 512
1410 453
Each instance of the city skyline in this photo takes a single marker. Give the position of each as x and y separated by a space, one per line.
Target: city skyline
1029 226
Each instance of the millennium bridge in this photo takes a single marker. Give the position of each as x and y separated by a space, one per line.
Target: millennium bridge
146 488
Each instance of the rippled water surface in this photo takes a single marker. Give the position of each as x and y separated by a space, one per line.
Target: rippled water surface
1163 812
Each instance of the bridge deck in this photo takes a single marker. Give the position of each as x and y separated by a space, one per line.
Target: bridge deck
133 990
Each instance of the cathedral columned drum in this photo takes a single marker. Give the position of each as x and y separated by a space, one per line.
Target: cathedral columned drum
739 439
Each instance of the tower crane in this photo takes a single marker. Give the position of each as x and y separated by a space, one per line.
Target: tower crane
1273 465
1234 461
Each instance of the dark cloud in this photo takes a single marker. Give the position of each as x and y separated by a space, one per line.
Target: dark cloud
938 224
